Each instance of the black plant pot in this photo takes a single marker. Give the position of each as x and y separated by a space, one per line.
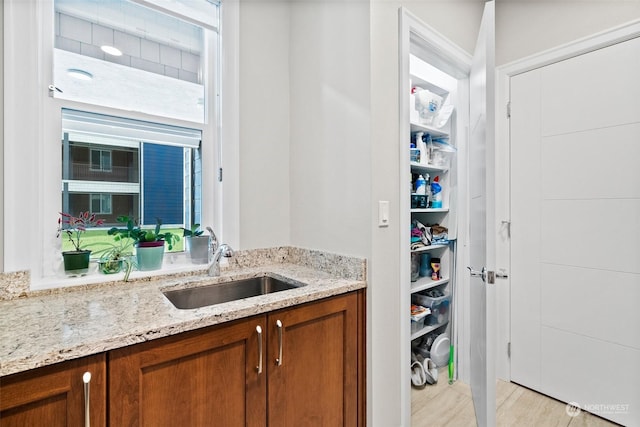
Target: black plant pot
76 263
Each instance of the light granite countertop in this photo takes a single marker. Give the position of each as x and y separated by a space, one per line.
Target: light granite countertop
46 327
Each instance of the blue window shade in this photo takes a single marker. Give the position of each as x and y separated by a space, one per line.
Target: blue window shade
163 167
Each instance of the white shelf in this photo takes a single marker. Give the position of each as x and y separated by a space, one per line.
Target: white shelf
426 330
416 80
434 132
425 283
428 248
429 210
426 167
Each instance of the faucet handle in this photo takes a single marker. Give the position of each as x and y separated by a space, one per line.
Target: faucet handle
226 250
214 239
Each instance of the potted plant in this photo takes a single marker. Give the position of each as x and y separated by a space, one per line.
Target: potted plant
149 243
76 262
116 256
197 245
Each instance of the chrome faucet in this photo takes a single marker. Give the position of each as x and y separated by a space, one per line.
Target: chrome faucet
213 239
223 250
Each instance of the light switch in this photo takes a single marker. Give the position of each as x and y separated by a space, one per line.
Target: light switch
383 213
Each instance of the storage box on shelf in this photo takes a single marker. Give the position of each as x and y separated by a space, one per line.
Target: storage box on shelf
418 316
439 306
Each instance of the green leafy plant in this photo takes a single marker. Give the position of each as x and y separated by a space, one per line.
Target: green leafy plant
75 226
138 234
194 231
115 255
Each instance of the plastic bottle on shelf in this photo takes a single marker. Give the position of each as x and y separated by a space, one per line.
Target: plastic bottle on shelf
428 150
421 185
436 193
428 190
424 151
421 146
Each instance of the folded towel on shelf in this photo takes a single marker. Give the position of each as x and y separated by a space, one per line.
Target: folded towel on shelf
439 234
422 231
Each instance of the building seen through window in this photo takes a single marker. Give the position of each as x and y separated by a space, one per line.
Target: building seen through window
114 166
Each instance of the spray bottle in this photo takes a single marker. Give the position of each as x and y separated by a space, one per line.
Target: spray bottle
436 193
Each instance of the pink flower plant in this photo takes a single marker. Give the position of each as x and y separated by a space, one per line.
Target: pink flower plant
76 226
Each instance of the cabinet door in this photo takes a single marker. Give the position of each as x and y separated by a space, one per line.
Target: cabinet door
54 395
201 378
315 380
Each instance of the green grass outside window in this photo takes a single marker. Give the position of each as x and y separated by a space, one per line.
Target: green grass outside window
92 239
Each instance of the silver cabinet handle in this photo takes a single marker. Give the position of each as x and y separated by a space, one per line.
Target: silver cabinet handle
86 379
279 359
259 367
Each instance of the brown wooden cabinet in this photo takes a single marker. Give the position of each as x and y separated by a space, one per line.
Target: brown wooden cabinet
201 378
302 366
313 381
54 395
212 377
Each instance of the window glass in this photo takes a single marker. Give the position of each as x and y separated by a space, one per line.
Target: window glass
115 166
101 160
123 55
101 203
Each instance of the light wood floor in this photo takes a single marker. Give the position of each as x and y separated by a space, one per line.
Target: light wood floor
451 405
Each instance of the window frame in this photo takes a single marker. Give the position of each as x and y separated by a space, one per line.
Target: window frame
101 167
101 211
32 194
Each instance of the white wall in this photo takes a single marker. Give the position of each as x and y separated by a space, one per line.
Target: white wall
459 21
330 128
525 27
264 124
304 125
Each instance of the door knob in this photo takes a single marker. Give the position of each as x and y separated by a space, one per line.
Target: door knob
478 273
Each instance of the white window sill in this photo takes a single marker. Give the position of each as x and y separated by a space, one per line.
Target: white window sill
172 263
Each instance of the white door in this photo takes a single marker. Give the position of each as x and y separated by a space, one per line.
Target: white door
575 241
482 245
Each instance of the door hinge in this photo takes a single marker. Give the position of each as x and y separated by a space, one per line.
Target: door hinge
220 174
509 350
508 109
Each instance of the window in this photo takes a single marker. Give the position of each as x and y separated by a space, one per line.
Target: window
101 160
101 203
106 171
116 166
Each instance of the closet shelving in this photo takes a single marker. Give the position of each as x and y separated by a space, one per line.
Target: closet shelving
426 77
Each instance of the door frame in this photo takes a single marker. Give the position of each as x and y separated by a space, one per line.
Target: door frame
504 73
453 60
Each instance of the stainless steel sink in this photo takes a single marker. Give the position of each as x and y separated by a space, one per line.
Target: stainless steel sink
224 292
